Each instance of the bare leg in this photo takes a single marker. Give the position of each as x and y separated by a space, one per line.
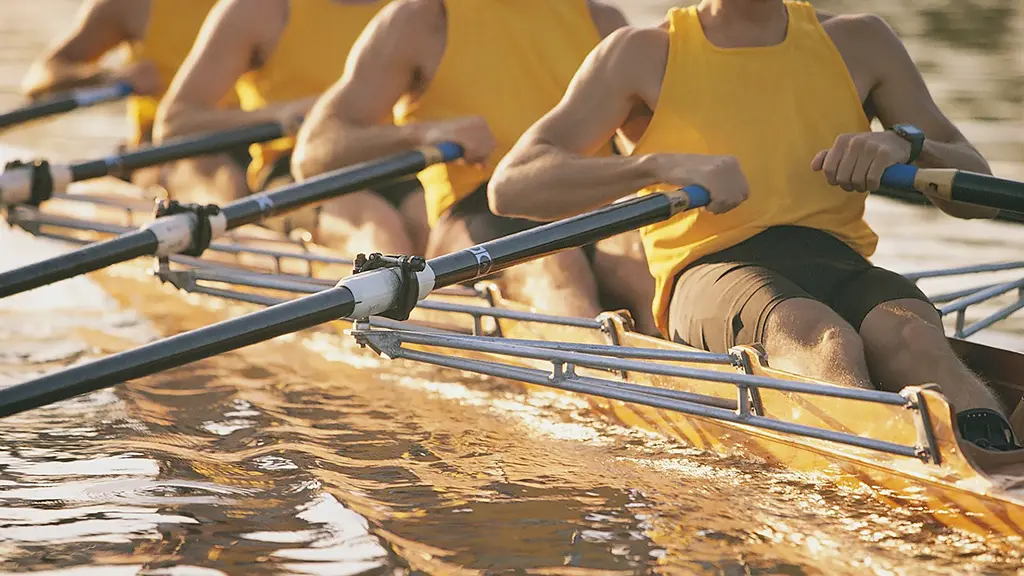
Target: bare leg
620 267
362 222
558 284
905 345
414 212
806 337
207 179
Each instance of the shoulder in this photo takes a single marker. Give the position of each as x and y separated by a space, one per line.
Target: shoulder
404 27
606 18
411 15
864 28
130 16
634 46
248 15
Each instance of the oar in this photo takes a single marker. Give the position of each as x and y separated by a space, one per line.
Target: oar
36 182
65 102
399 284
188 229
958 186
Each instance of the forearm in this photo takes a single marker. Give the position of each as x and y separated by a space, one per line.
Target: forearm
331 145
546 183
53 76
179 121
961 156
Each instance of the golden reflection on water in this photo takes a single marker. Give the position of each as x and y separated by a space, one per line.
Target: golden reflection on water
305 456
302 456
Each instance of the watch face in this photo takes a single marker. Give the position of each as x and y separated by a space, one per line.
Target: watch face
908 129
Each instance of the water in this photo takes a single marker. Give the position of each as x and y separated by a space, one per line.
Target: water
305 456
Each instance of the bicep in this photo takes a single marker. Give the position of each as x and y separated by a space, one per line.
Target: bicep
378 73
222 52
901 94
596 104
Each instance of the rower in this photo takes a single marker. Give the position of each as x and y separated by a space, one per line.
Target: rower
279 55
768 105
479 73
158 34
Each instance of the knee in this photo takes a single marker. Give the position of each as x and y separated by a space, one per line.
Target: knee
812 327
838 342
362 210
895 332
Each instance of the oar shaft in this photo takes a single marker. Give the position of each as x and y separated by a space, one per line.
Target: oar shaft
552 237
177 149
985 190
356 297
177 351
63 103
958 186
88 259
258 207
176 233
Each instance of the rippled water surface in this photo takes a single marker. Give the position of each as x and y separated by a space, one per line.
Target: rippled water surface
307 456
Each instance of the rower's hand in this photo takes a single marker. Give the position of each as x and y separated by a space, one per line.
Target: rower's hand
472 133
721 175
290 115
143 77
857 161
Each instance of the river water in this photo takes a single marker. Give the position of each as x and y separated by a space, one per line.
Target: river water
306 456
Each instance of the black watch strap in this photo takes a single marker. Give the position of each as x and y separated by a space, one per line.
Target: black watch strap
912 135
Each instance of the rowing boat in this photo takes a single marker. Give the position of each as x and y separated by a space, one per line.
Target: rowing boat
905 446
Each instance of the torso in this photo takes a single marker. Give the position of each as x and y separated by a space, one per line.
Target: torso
161 32
510 47
838 29
299 53
772 99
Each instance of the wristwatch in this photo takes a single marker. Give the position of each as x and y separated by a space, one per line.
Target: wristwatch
911 134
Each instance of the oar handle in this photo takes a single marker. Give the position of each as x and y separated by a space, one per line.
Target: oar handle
692 196
957 185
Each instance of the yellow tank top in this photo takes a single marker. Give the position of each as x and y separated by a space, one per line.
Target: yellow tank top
171 29
508 61
773 108
309 57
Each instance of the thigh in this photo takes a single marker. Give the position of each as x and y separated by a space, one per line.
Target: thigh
471 222
867 290
718 305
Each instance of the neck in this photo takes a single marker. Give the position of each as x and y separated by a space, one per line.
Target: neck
735 23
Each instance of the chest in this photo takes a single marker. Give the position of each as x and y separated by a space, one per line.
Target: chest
788 87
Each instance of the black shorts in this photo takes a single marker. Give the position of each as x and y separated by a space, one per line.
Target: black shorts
724 299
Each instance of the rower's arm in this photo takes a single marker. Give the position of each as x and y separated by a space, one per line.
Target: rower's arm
900 95
550 172
233 39
72 63
607 18
353 121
